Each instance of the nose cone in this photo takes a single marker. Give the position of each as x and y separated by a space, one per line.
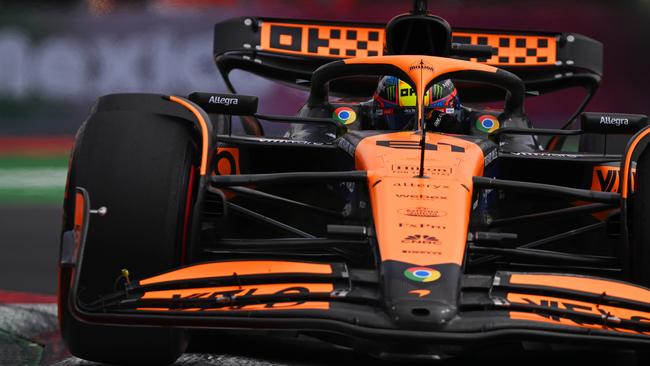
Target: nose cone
418 314
422 301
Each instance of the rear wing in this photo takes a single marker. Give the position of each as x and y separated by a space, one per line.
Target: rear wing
290 50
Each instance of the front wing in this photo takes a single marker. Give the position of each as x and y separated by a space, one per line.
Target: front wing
317 298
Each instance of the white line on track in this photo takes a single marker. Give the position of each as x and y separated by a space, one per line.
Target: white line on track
32 178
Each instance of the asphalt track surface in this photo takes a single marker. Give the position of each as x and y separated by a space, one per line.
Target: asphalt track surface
29 333
29 240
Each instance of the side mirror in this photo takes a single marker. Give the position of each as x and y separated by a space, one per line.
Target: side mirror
231 104
612 123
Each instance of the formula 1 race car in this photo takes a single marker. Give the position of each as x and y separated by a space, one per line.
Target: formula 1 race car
412 243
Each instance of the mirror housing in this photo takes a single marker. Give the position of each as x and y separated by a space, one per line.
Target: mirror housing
230 104
612 123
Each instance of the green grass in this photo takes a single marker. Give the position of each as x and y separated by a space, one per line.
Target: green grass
17 161
32 179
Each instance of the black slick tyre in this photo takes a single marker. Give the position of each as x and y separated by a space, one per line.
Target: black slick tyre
136 159
640 221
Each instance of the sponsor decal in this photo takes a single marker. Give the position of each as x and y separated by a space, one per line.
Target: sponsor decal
487 123
406 91
491 156
603 312
422 212
422 274
421 252
287 141
388 94
226 295
344 115
421 65
420 185
544 155
415 169
606 120
420 239
215 99
420 293
422 226
322 40
420 196
607 178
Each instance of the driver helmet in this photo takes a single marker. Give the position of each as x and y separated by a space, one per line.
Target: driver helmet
395 105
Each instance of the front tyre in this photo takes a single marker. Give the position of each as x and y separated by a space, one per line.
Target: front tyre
640 221
136 159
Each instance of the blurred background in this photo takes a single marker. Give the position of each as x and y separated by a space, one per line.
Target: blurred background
57 57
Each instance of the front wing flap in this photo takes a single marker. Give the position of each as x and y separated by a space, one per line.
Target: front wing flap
329 298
